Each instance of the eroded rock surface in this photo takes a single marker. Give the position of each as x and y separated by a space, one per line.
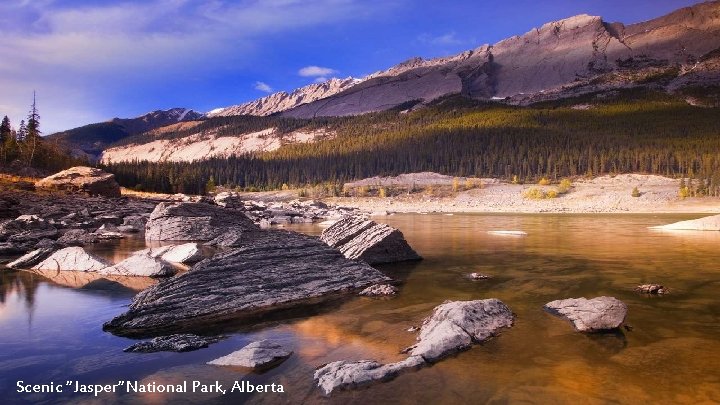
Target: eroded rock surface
453 326
141 263
359 238
590 315
271 270
193 221
379 290
174 343
185 253
82 179
72 259
259 355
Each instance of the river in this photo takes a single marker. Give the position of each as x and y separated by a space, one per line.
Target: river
51 330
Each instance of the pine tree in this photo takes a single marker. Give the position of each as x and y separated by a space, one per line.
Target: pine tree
33 130
22 132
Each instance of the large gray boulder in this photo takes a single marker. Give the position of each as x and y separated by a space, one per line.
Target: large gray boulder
259 355
82 179
359 238
31 258
72 259
186 221
590 315
270 271
452 327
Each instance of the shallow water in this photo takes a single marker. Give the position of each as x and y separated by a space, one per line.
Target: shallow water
51 331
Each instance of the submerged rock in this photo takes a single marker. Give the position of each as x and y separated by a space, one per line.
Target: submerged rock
270 271
379 290
590 315
356 374
141 263
479 276
174 343
259 355
359 238
72 259
651 289
711 223
193 221
82 179
453 326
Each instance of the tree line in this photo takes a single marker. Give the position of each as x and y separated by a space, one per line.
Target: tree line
635 132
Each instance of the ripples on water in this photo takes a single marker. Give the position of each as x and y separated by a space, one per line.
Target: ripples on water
51 330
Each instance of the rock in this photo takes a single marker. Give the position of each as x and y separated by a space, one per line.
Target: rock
72 259
359 238
8 207
30 259
651 289
356 374
379 290
127 229
174 343
141 263
268 271
185 253
597 314
229 200
82 179
78 237
193 221
136 221
456 325
260 355
711 223
452 327
479 276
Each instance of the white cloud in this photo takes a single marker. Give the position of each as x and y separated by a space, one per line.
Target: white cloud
314 71
262 86
104 51
449 38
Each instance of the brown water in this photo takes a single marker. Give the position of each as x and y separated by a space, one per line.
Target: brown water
671 355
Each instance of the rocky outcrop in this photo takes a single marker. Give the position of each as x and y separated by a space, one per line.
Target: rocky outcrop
82 179
260 355
379 290
31 258
72 259
141 263
711 223
174 343
453 326
590 315
185 253
268 271
359 238
193 222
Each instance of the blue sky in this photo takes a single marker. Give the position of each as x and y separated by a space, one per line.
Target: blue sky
90 61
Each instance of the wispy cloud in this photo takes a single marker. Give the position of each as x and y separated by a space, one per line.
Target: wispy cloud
264 87
104 51
446 39
316 71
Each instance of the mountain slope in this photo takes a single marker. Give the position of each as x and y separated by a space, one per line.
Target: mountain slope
92 139
579 54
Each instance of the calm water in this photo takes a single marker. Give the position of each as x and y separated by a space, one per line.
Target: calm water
50 330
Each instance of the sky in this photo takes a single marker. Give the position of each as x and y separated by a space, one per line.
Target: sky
90 61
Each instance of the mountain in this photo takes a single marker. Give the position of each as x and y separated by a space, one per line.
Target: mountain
92 139
282 101
560 59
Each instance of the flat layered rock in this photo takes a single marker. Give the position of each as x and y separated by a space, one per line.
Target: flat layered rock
590 315
270 271
185 253
186 221
452 327
259 355
174 343
359 238
31 258
82 179
711 223
141 263
72 259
